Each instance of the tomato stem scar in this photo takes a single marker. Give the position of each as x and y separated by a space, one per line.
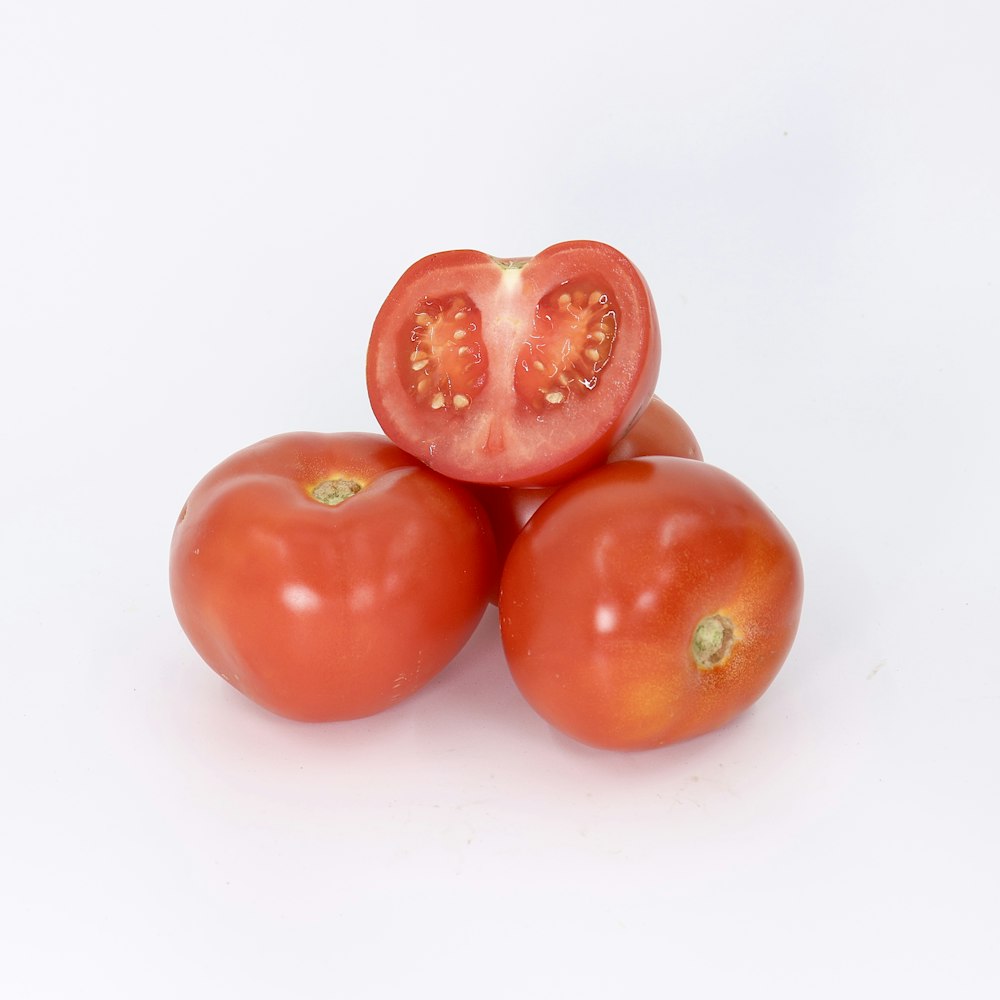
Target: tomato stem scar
335 491
712 641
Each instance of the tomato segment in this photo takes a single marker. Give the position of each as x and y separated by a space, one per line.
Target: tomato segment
519 371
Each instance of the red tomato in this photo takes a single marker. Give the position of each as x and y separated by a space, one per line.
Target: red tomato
659 431
648 602
327 576
515 372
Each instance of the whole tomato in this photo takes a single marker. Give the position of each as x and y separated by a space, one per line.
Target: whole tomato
661 430
514 371
328 576
647 602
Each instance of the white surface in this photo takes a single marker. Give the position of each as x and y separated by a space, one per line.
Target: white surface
202 206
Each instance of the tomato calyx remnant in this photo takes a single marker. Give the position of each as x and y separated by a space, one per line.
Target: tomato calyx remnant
712 641
574 332
335 491
445 353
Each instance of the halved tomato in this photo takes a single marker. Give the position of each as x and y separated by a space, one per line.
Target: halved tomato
519 371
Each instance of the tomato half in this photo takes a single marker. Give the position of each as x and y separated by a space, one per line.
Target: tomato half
659 431
327 576
647 602
516 372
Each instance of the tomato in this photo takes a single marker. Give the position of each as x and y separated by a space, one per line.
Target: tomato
328 576
659 431
514 372
647 602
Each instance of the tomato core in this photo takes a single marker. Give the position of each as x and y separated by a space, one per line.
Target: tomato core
574 331
335 491
444 364
712 641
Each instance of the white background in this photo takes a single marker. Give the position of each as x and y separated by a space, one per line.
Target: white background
202 206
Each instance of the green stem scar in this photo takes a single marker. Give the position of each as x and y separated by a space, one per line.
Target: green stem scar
335 491
712 642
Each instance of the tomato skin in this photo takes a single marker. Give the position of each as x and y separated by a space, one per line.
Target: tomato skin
495 438
660 430
604 590
320 612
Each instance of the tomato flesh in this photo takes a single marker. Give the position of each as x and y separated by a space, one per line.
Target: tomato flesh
514 371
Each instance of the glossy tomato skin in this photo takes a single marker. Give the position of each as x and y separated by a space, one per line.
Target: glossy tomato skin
660 430
511 409
648 602
331 610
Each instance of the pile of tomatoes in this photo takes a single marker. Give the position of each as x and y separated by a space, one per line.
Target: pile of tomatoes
644 596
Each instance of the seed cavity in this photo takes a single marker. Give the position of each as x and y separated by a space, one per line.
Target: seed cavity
570 344
445 357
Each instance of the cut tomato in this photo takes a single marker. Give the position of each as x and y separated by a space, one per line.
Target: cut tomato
514 371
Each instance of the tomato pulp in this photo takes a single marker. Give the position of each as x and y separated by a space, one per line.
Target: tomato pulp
647 602
518 371
328 576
